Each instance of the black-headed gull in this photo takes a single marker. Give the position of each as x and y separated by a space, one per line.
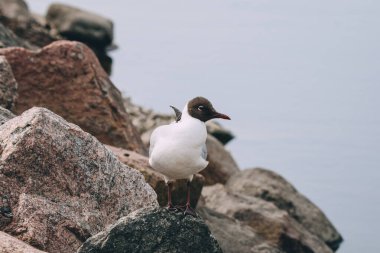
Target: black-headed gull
178 150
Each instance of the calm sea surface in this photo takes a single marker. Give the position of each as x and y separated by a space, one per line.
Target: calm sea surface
300 79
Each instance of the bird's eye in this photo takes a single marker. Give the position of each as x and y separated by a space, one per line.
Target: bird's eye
201 108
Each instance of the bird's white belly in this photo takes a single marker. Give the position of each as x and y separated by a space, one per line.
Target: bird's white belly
177 147
175 161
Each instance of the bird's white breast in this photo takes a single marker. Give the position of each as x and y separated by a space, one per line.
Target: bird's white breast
176 148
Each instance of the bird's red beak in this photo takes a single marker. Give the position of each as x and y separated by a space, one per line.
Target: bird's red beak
221 116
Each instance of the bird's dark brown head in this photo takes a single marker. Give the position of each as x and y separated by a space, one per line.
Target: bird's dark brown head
200 108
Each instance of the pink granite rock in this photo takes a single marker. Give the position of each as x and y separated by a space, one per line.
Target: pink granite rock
63 185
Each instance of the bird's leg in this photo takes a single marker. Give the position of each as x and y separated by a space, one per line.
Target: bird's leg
170 206
188 209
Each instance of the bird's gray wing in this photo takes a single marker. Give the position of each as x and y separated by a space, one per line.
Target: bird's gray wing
204 151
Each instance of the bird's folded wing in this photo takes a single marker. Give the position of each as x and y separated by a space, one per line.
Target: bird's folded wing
204 151
153 139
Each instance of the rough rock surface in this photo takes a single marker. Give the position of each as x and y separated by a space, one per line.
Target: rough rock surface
5 115
155 179
153 231
271 223
8 85
10 244
80 25
63 185
221 164
66 78
233 236
272 187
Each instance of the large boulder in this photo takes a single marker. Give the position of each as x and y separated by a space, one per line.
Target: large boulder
269 222
153 231
62 184
269 186
8 85
66 78
221 163
156 180
10 244
233 236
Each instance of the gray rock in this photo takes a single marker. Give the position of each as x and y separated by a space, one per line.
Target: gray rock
63 185
5 115
153 231
233 236
80 25
8 85
271 187
222 134
221 163
10 244
271 223
9 39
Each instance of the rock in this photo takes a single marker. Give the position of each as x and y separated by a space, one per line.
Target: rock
63 185
156 181
9 244
271 187
15 15
233 236
271 223
66 78
8 85
80 25
220 133
5 115
153 231
221 164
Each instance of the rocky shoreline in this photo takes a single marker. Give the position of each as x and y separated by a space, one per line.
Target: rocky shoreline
74 172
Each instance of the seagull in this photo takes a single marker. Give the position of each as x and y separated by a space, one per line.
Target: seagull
178 150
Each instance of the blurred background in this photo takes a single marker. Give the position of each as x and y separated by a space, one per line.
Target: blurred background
299 79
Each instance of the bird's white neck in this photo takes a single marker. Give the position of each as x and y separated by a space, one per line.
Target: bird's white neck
185 114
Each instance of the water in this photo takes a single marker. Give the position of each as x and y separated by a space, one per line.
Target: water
300 80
